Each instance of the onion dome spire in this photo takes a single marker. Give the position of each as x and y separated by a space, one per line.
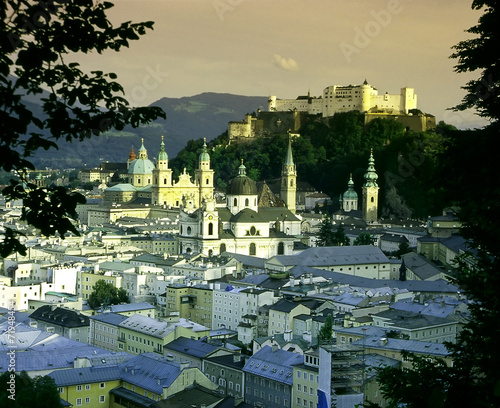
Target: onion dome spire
204 156
131 155
370 175
162 155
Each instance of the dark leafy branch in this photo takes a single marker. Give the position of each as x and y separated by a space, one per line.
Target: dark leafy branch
36 39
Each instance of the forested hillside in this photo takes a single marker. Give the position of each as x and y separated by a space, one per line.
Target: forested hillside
328 150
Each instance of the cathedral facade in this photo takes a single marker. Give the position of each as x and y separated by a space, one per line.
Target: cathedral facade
241 225
153 182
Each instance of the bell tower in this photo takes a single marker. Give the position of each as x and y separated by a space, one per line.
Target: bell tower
204 175
162 178
370 192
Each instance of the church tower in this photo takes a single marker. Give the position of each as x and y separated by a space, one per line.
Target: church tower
204 175
370 192
162 177
289 180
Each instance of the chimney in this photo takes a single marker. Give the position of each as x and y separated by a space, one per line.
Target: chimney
274 347
236 358
184 365
292 281
383 341
287 335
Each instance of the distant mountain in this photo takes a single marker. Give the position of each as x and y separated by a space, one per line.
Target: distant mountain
193 117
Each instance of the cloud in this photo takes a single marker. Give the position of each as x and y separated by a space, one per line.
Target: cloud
288 64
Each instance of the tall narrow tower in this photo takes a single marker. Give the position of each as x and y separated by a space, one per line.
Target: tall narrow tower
289 180
204 175
162 178
370 192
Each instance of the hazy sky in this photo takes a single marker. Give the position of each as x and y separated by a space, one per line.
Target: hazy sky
287 47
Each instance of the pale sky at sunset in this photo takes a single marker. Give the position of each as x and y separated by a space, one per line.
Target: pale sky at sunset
287 47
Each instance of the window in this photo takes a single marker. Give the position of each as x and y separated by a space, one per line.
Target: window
78 387
102 385
253 249
102 398
78 401
61 390
247 202
87 400
210 229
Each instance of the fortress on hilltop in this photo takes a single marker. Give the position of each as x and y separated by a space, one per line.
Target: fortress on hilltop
284 115
336 98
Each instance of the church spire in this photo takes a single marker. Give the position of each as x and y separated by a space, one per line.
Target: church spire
289 179
289 156
370 175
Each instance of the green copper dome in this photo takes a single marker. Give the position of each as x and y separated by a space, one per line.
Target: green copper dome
141 165
204 156
162 155
350 194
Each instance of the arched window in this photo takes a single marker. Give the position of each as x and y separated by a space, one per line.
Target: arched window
188 230
149 181
373 199
210 252
247 202
164 181
138 181
210 229
281 248
235 202
291 183
253 249
207 182
222 248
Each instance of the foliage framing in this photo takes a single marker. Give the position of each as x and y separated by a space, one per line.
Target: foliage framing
37 39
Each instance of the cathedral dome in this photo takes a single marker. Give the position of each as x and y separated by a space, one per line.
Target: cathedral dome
242 184
141 166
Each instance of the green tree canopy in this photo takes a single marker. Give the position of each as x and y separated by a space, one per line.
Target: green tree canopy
325 333
38 41
105 293
363 239
40 392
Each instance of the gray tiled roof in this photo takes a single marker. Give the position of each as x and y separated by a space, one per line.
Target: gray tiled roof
338 255
110 318
275 364
440 285
414 346
195 348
